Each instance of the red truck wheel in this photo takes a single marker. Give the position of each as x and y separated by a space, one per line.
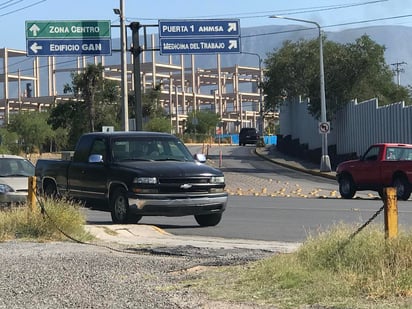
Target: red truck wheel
346 187
402 186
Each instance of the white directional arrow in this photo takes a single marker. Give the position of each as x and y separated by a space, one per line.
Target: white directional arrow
34 28
232 44
232 27
35 47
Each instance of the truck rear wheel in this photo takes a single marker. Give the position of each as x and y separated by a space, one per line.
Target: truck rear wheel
119 208
403 188
208 220
346 187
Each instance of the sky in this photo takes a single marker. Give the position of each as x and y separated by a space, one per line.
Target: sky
332 15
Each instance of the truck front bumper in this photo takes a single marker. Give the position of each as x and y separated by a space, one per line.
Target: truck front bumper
180 205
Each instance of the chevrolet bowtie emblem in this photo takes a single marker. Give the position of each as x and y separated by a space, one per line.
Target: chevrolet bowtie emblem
186 186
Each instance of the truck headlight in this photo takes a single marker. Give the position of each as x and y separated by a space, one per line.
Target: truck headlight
5 188
145 180
217 179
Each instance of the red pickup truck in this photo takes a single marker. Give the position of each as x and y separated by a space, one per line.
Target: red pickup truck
382 165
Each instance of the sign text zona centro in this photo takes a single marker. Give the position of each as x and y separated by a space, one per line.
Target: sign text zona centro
68 29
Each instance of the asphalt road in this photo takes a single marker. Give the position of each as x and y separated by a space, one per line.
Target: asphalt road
272 203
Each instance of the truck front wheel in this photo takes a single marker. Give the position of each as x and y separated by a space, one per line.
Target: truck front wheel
119 208
346 187
208 220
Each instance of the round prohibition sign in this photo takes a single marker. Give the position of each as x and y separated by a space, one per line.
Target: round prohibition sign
324 127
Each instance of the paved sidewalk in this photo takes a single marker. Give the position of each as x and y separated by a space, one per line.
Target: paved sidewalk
271 153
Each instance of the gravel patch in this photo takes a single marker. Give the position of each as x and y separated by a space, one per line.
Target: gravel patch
70 275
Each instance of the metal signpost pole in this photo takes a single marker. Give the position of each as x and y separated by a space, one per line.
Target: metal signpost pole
325 161
125 101
123 61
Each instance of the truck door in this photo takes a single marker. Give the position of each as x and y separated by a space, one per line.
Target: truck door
368 171
88 180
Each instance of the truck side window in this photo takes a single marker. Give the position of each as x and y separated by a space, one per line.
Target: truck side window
99 147
371 154
390 154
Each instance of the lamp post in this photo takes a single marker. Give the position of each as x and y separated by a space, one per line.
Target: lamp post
123 82
325 161
261 127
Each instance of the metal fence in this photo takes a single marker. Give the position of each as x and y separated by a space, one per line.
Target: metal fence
356 126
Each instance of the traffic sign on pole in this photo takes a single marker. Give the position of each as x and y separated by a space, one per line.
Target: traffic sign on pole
199 27
199 36
62 47
68 38
43 29
324 127
200 46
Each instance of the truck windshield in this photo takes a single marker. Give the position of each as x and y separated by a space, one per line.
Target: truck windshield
149 149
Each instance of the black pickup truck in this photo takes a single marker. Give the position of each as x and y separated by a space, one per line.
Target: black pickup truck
135 174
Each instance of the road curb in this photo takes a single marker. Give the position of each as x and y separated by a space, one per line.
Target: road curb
297 168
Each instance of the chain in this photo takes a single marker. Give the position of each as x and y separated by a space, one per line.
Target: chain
345 243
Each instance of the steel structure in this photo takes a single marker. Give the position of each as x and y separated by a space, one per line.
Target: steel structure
231 91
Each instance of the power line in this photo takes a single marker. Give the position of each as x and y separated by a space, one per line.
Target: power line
330 26
23 8
9 3
268 13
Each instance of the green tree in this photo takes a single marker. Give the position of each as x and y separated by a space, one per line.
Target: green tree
99 95
202 122
9 142
32 130
154 116
354 70
158 124
72 117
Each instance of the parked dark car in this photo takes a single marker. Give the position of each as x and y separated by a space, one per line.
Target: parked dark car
248 136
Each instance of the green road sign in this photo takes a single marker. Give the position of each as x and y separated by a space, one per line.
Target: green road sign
67 29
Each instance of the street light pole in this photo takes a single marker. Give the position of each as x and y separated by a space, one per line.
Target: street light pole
325 161
123 60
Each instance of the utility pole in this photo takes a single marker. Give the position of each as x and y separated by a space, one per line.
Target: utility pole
397 69
136 51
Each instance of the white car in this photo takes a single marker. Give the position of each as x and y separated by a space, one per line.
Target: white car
14 174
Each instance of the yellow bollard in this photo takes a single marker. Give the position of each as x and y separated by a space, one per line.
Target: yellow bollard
31 196
391 213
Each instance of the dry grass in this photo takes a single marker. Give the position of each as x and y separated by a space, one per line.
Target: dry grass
369 272
60 216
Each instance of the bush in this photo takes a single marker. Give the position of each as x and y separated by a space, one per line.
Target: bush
59 216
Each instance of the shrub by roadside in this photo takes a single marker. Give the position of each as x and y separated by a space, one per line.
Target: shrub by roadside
62 215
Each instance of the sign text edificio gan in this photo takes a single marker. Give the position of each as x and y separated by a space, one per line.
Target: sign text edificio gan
75 47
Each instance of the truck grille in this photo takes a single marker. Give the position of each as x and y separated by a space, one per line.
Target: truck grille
174 185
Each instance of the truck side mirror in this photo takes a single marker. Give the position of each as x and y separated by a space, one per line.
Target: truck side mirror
95 158
200 157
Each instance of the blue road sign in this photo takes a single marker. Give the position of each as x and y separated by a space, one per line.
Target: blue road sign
199 45
64 47
199 28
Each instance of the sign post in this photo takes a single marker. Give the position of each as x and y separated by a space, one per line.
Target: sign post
199 36
68 38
